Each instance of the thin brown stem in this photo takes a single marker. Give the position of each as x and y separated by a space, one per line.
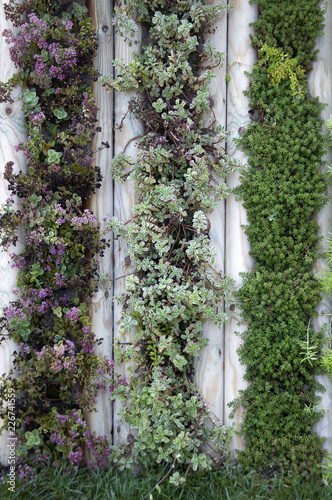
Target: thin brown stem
123 276
161 480
131 140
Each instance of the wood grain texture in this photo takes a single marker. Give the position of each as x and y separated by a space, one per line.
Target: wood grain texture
124 200
209 372
320 85
12 132
240 59
101 308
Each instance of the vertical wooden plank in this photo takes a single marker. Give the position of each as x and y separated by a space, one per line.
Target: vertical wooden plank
240 59
11 133
101 308
209 373
320 85
124 200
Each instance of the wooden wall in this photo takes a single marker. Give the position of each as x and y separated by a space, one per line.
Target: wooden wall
219 374
320 85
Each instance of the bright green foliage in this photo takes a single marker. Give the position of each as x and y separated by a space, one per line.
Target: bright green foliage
47 482
282 192
175 288
291 25
281 66
326 361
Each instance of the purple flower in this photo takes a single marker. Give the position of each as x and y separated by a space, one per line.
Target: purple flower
41 76
56 72
70 344
43 308
68 25
56 439
62 418
73 314
14 312
61 249
76 457
37 117
60 279
42 294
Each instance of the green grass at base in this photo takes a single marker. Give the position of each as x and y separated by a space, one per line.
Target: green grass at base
53 483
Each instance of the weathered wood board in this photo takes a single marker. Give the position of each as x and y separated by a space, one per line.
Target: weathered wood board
241 57
101 308
209 372
320 85
124 200
12 132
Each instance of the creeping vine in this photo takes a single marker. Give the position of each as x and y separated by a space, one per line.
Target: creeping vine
175 286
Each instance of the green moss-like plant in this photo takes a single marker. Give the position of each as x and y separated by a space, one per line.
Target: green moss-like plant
282 193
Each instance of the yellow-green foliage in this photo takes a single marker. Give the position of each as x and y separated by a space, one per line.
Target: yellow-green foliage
280 67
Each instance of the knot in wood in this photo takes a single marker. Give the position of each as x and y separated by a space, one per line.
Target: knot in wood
130 438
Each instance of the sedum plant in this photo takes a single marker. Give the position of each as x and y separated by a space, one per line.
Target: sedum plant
282 191
175 286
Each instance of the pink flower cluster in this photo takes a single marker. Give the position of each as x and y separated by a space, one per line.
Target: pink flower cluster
87 342
31 32
46 65
66 58
37 118
55 357
73 314
86 219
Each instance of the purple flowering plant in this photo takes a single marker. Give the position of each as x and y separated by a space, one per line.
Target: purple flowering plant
56 372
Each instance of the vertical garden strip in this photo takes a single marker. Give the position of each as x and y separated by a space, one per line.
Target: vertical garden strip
56 373
174 287
282 193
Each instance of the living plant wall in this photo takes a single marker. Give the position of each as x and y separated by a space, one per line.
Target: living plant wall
282 193
174 288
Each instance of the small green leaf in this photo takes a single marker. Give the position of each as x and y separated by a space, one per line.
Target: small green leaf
57 311
45 55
